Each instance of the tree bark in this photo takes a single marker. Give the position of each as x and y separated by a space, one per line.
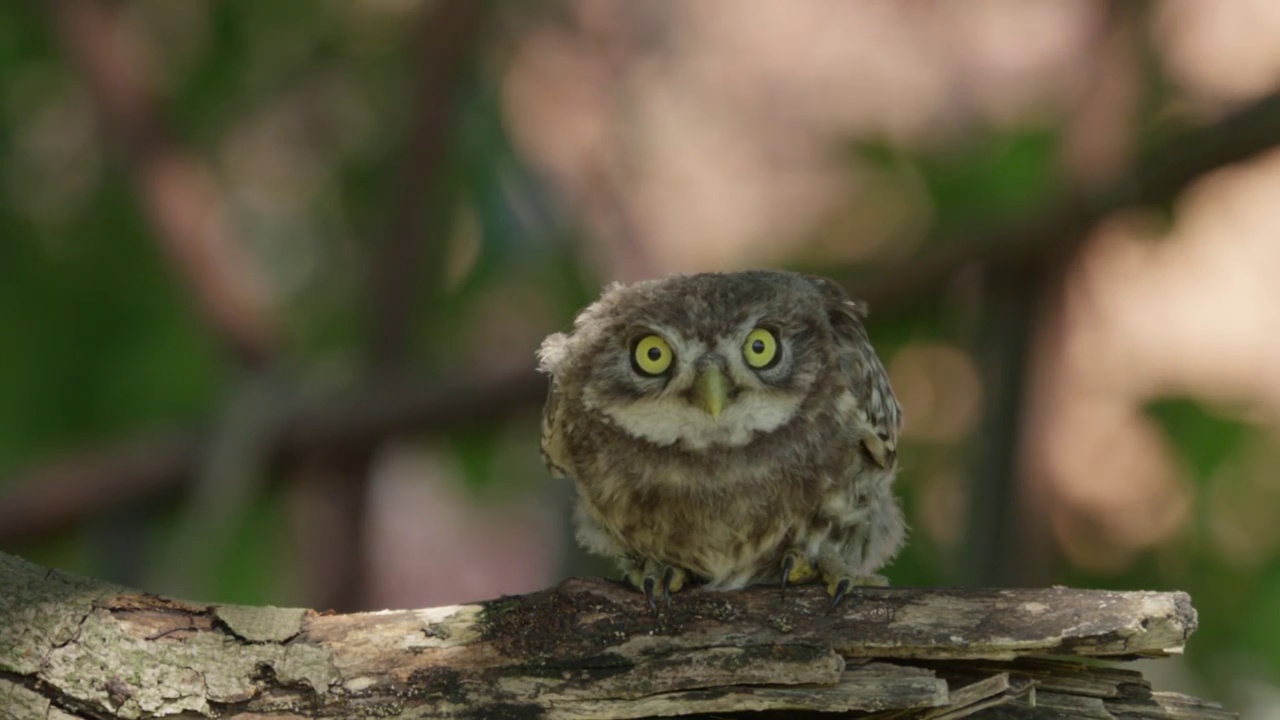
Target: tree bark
588 648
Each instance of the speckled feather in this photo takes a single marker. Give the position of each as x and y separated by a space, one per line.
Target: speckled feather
803 457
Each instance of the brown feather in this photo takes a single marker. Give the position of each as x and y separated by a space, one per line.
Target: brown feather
803 458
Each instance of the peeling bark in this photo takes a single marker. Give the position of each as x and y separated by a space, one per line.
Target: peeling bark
587 648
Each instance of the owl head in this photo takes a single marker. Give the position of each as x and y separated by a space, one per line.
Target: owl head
713 359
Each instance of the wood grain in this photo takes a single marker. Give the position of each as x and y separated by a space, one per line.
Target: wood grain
588 648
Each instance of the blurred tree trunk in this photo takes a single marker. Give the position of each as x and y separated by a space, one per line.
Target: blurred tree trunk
1007 541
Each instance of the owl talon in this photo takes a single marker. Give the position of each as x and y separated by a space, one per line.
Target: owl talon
648 593
651 576
838 589
840 586
795 569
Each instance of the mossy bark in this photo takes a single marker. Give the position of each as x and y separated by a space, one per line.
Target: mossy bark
73 647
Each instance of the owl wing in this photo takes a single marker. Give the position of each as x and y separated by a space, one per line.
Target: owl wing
554 452
875 408
871 401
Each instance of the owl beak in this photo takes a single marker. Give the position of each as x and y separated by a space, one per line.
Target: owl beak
711 391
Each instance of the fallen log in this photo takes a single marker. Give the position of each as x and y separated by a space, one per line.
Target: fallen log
590 648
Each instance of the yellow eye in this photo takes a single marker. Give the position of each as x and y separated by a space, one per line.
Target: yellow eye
651 355
761 349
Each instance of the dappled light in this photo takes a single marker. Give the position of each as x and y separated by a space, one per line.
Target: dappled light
939 389
275 275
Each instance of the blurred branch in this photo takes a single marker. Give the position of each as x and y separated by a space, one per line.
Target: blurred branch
408 260
1058 229
53 497
995 546
181 200
448 45
1006 538
178 194
50 498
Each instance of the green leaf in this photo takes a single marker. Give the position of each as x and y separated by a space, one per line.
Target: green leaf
1202 438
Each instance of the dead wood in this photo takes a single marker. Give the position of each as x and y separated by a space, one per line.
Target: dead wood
589 648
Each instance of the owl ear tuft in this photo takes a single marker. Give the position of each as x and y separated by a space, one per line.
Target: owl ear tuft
846 314
552 353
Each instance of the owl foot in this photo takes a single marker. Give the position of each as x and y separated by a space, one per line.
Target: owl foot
653 575
839 585
795 569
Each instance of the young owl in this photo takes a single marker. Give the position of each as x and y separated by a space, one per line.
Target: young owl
729 428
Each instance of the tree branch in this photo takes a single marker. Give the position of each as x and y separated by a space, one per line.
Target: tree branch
588 648
408 260
53 497
1059 228
448 45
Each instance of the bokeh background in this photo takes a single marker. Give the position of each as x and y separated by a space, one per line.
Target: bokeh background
272 275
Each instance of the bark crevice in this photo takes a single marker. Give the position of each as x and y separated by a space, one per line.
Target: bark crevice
590 648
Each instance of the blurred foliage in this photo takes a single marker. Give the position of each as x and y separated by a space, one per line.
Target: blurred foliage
989 175
95 327
1203 439
1236 599
98 340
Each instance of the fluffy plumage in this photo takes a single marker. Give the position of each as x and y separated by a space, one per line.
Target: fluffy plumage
793 475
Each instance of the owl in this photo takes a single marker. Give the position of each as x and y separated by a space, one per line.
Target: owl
727 429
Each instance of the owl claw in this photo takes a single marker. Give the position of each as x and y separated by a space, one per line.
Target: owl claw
788 564
668 577
838 590
840 586
795 569
648 576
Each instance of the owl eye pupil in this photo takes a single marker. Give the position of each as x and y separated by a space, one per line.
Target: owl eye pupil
761 349
651 356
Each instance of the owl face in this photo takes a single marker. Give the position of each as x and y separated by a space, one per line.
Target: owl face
699 360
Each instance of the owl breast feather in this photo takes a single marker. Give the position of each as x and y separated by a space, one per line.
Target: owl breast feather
727 515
